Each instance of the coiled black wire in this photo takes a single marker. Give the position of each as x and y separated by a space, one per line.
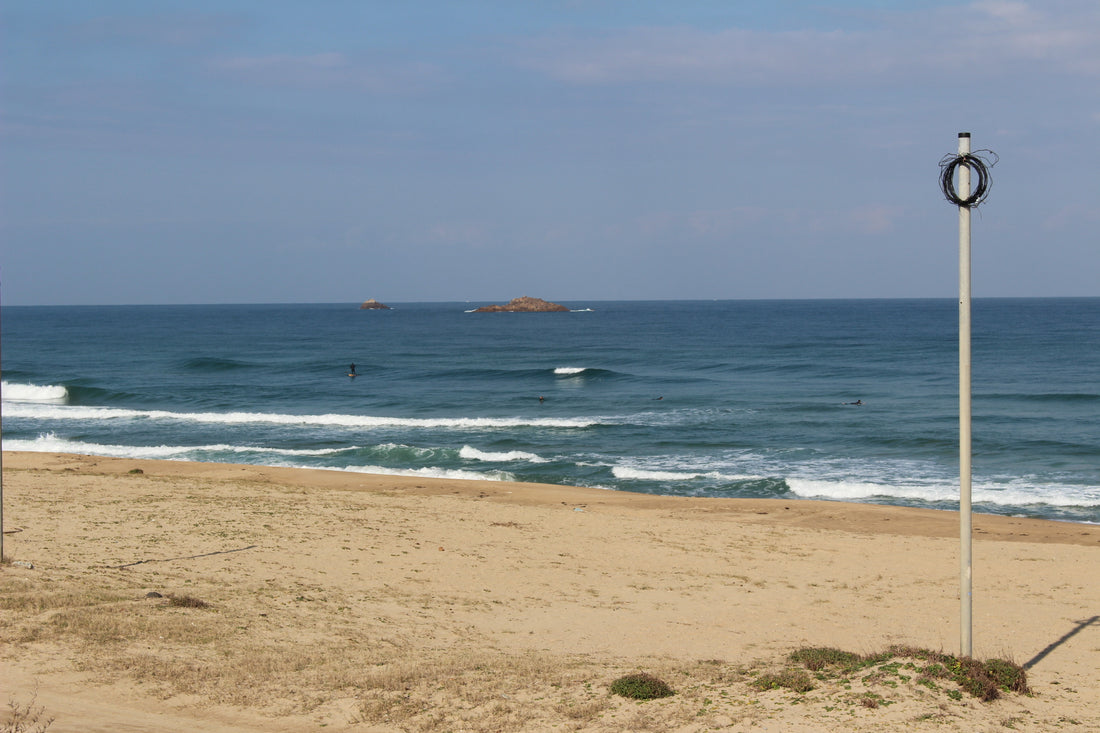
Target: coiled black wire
979 165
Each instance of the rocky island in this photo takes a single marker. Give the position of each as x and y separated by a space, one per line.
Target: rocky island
522 304
373 305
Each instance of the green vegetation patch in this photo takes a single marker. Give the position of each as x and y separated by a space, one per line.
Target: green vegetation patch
818 658
795 680
983 680
641 686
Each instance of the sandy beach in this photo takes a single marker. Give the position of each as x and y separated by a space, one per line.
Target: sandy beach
297 600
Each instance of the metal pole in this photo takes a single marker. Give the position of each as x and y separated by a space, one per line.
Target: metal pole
965 531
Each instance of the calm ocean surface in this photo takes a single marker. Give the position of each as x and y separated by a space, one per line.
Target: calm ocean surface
728 398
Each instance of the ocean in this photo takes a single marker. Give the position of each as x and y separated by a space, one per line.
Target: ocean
693 398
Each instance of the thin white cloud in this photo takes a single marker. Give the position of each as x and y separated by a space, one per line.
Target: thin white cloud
692 55
1066 34
183 29
283 64
739 221
1071 217
875 219
459 232
1011 11
328 69
986 38
725 222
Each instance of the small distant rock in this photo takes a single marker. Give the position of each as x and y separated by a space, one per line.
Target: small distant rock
153 594
523 305
373 305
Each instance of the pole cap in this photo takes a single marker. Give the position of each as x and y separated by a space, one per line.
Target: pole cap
964 134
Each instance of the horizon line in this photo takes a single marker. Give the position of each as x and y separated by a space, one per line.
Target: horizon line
490 301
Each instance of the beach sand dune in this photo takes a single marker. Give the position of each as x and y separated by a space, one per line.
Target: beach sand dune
295 600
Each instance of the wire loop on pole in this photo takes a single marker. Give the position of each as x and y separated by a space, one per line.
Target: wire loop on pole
979 165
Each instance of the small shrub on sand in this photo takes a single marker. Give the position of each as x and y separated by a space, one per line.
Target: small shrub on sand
818 658
983 680
795 680
186 602
641 686
26 718
1009 676
987 680
870 700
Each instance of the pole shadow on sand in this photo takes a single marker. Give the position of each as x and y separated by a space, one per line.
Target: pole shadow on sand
1081 626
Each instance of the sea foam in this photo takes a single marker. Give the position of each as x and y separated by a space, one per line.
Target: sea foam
981 493
641 474
430 472
50 443
15 392
51 412
473 454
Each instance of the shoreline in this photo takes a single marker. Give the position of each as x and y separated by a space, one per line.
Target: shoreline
811 513
357 598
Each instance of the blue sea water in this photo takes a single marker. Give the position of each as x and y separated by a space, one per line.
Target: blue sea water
727 398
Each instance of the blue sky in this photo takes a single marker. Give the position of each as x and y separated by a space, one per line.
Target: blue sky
270 151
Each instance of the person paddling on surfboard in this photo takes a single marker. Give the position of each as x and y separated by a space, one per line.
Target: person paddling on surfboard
351 370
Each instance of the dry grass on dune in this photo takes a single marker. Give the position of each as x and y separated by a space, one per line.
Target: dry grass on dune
220 655
217 647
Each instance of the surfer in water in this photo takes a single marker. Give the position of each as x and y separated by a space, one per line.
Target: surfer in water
351 370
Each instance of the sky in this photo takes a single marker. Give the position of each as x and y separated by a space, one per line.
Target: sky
266 151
